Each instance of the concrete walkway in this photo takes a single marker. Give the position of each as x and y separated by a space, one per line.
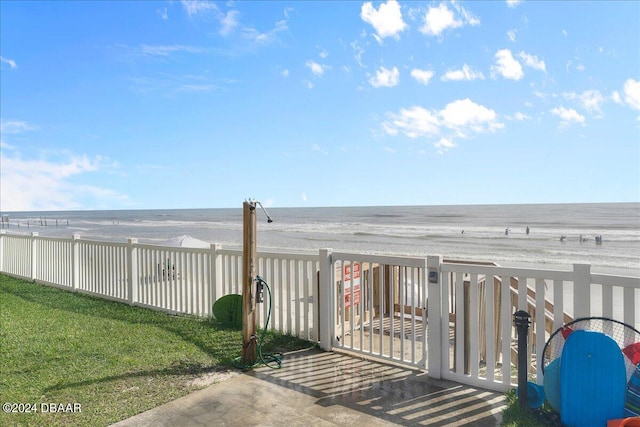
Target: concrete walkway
316 388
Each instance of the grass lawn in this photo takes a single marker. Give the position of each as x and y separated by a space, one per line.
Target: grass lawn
112 359
514 416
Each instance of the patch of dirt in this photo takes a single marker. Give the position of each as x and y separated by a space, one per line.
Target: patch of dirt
209 378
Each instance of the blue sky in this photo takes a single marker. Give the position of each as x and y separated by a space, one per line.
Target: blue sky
194 104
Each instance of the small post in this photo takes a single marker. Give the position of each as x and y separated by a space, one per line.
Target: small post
2 233
521 321
435 320
34 256
75 262
326 299
132 273
249 258
215 281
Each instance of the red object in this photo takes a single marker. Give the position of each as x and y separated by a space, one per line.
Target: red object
626 422
566 331
632 351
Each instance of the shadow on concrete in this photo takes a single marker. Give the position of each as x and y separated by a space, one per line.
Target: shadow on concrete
391 393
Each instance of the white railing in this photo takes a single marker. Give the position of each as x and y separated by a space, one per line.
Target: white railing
177 280
481 300
379 306
467 309
169 279
374 305
51 267
101 268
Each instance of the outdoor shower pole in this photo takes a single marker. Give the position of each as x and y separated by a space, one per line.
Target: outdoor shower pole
249 258
521 321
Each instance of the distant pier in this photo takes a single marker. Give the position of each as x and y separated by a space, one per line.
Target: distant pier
7 223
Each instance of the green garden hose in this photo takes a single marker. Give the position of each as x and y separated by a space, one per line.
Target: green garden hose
268 359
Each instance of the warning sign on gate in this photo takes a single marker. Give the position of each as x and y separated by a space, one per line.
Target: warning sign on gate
351 281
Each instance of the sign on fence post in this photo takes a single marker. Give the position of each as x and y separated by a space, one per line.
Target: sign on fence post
351 283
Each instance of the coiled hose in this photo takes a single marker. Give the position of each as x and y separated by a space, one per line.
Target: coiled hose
271 360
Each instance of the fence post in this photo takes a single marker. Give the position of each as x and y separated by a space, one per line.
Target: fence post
434 316
2 233
215 279
132 273
75 262
326 300
34 254
521 322
581 290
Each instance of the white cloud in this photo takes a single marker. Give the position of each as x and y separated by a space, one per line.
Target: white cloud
304 196
532 61
464 115
440 18
197 87
390 150
265 38
196 7
568 116
387 20
444 144
15 126
42 184
228 22
459 119
512 34
632 93
316 69
466 73
513 3
6 146
323 53
163 13
507 66
422 76
414 122
615 97
11 62
45 185
284 73
166 50
386 77
520 116
592 101
467 17
358 52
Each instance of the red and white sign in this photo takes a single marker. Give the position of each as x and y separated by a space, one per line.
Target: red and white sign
351 283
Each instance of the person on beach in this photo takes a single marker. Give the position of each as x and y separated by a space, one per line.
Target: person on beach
527 230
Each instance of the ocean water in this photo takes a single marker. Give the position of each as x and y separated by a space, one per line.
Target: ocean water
477 233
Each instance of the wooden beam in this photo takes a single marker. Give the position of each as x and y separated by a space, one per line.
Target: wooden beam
249 259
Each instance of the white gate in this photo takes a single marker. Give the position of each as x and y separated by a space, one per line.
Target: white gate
380 306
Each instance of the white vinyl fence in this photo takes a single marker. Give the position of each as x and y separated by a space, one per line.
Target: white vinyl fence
169 279
453 319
